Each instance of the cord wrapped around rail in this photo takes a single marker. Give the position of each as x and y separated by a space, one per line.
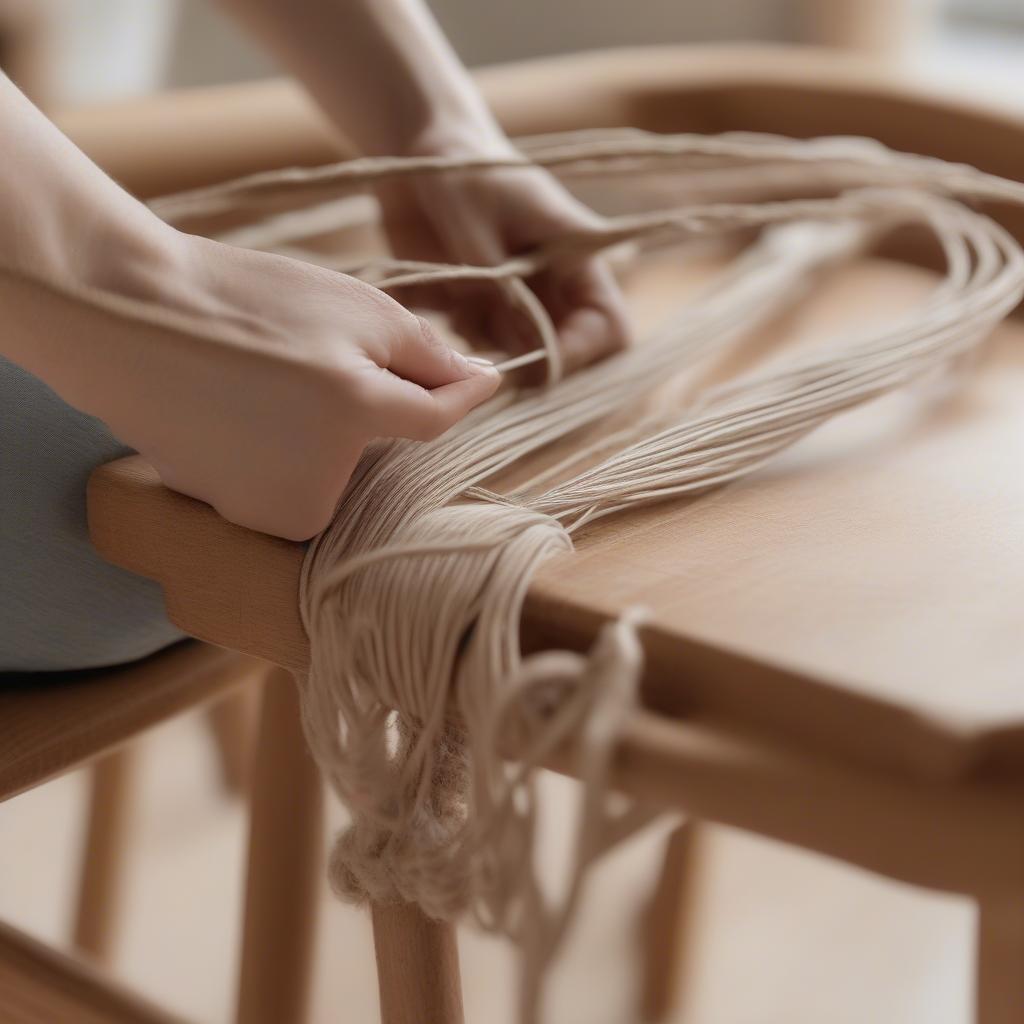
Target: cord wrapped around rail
418 690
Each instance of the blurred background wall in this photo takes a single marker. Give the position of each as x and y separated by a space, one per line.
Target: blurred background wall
74 51
486 31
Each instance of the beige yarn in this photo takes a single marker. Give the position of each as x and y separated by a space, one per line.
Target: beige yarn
418 691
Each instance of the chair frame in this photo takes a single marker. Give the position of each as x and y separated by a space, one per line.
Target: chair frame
949 818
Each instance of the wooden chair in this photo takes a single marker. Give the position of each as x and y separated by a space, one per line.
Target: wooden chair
835 654
53 723
108 838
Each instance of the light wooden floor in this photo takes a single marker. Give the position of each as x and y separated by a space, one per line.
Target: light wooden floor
783 938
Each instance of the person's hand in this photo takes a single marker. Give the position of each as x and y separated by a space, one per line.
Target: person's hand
268 428
384 73
482 218
252 381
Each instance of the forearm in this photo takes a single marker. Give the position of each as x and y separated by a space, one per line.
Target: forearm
102 301
381 69
65 226
59 213
250 381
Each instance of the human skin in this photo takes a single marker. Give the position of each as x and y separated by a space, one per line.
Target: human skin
252 381
387 77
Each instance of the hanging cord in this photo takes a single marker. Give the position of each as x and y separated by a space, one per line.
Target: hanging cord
421 709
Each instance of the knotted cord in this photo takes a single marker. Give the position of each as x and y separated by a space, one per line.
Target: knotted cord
418 691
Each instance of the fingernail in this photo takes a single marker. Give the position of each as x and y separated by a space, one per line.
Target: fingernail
481 365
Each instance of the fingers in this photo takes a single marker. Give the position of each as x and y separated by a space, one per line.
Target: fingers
586 309
582 298
596 324
400 408
482 220
422 386
417 353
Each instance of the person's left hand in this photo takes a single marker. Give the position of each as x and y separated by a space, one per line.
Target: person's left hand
482 218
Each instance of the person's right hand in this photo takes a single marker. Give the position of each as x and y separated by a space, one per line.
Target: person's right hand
279 374
250 381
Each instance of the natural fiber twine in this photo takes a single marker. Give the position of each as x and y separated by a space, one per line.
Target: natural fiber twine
418 691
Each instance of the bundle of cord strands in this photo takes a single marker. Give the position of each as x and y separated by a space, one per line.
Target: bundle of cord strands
420 707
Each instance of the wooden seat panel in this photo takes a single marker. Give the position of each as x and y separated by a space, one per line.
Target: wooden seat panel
859 594
54 721
873 572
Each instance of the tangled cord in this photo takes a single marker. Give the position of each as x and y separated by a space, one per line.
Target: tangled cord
418 693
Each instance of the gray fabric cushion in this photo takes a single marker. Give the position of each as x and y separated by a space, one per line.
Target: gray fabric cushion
61 606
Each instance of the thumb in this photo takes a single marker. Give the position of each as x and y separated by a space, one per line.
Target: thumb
419 354
427 386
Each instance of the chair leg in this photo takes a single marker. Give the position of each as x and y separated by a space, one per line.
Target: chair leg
41 985
99 885
285 850
417 967
665 926
999 982
231 724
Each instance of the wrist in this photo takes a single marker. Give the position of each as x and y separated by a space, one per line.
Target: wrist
139 258
454 133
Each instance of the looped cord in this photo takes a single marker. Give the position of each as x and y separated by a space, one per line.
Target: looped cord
421 709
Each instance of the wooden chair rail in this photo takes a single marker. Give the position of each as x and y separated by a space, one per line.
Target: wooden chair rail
959 837
917 816
196 137
39 985
50 724
246 597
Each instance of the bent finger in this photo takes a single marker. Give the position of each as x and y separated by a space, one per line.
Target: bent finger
399 408
595 322
417 353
